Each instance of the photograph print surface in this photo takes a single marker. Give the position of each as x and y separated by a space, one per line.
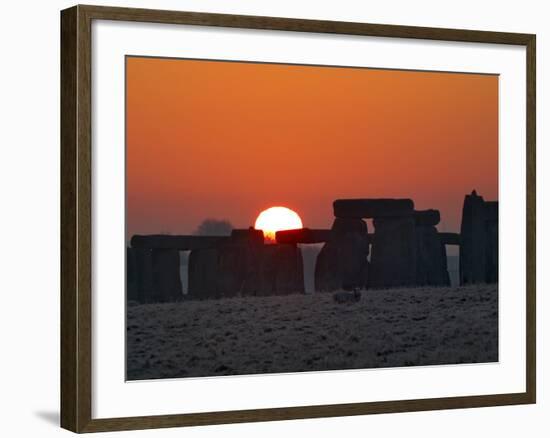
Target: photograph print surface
290 218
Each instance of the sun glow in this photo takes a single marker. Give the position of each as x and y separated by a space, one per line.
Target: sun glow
277 219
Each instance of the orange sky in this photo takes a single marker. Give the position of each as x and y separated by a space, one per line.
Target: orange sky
227 139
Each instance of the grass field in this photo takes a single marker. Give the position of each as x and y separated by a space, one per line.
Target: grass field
386 328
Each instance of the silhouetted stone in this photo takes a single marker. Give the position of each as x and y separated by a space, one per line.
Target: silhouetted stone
450 238
393 259
431 258
131 276
491 227
239 263
342 262
153 275
251 235
491 268
427 217
144 275
343 225
479 241
166 276
302 235
203 274
491 211
181 243
243 266
372 208
473 240
281 270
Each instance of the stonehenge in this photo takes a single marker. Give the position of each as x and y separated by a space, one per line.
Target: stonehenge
491 241
281 270
167 241
342 262
227 269
166 278
478 261
431 256
244 266
393 256
142 259
152 275
203 274
225 266
393 259
131 275
405 249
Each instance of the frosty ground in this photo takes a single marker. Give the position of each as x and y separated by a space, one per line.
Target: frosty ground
386 328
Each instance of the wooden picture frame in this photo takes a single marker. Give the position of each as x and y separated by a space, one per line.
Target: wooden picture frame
76 236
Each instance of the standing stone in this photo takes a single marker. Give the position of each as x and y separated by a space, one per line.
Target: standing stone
342 262
144 275
393 259
473 247
203 273
131 275
254 247
228 270
166 275
281 270
238 263
431 256
491 242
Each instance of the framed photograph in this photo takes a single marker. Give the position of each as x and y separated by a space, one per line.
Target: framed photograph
271 218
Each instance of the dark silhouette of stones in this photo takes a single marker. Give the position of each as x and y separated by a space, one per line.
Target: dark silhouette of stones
491 211
479 241
372 208
427 217
281 270
472 249
238 263
431 258
491 242
203 274
144 292
153 276
166 276
251 235
348 225
302 235
228 270
394 252
131 276
218 265
244 266
181 243
450 238
342 262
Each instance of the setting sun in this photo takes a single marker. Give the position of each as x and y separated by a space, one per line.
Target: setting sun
277 219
